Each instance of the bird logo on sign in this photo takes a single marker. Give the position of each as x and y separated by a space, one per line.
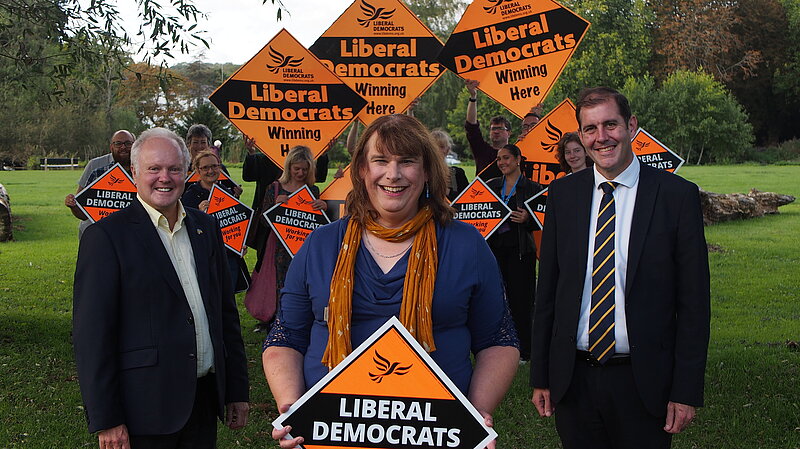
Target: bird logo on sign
387 368
495 4
641 145
372 13
473 192
114 180
554 134
281 61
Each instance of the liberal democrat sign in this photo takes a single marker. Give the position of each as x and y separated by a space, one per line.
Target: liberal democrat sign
479 206
388 393
383 51
112 191
295 219
516 49
233 217
285 97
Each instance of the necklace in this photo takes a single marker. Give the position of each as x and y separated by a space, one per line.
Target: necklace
385 256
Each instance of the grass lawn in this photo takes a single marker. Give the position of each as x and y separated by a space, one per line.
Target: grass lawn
752 392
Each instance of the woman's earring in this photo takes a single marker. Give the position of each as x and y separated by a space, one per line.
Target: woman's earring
427 190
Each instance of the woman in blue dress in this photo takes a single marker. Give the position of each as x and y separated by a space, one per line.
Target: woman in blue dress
398 252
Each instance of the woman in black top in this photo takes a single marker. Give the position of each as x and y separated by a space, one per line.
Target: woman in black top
513 245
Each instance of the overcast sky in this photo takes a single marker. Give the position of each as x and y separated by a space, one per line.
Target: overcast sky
238 29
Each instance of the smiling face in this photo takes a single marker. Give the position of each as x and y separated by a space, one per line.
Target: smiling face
159 175
393 183
507 162
197 144
121 144
607 137
209 169
575 156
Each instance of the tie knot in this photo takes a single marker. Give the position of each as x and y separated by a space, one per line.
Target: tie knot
608 186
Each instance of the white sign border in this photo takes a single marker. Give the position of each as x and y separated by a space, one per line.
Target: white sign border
391 322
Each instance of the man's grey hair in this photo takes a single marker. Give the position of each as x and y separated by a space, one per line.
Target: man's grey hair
198 130
162 133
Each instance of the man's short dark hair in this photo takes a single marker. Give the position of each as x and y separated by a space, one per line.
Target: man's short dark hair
198 130
532 114
500 119
597 95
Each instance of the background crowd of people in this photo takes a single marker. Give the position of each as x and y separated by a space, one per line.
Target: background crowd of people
169 315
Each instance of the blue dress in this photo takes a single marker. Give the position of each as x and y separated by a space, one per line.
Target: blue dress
469 311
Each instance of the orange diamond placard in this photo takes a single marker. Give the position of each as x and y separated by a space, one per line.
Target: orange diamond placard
112 191
384 52
479 206
284 97
539 146
233 217
294 220
516 49
654 153
336 194
388 393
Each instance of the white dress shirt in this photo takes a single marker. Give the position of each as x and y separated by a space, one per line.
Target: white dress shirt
179 249
624 202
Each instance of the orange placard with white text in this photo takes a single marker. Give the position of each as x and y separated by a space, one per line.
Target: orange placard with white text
284 97
112 191
654 153
479 206
516 49
294 220
384 52
388 393
232 216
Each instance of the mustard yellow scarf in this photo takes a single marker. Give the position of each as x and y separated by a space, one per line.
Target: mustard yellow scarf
415 309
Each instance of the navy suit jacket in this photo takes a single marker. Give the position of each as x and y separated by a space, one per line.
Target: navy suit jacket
133 330
667 294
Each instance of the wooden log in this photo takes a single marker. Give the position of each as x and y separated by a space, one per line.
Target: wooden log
5 215
718 207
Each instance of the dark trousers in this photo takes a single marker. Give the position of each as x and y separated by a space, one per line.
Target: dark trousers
602 410
519 277
200 431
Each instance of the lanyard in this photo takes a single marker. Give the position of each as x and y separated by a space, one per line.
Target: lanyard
506 198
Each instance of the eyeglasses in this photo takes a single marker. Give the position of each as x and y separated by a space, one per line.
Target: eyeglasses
209 167
497 128
118 143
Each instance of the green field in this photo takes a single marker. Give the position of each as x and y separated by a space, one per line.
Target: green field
752 392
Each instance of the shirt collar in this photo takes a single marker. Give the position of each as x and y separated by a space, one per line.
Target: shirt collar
159 220
628 178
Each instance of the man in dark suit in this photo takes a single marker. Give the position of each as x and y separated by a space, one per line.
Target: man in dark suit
156 331
621 323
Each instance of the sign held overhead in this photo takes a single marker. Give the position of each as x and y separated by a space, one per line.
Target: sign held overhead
284 97
516 49
384 52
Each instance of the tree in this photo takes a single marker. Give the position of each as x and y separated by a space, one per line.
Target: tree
71 24
157 95
694 34
693 114
616 46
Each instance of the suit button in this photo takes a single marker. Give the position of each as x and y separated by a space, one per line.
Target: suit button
191 320
192 356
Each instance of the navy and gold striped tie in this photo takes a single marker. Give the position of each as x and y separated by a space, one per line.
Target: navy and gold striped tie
601 316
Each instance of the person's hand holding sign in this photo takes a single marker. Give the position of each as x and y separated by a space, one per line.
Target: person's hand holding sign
519 216
319 204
